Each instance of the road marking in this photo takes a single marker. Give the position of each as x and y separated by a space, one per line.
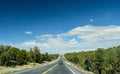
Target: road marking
45 72
70 69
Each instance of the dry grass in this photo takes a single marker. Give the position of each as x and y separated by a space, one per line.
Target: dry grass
6 70
77 67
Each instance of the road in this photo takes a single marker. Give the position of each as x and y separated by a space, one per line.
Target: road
38 70
63 69
54 68
60 69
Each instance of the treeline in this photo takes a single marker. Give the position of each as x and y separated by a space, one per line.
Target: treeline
100 61
12 56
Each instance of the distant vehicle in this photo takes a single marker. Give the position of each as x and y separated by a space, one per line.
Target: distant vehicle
60 62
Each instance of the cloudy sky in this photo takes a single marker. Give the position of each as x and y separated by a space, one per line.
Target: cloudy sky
60 26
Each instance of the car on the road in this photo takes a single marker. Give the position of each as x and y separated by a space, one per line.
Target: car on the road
60 62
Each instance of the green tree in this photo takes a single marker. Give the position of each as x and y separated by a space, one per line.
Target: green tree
22 57
99 59
37 54
47 56
31 55
11 56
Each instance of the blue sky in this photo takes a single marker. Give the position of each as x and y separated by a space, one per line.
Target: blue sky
30 21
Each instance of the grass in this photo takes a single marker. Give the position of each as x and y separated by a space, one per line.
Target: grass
6 70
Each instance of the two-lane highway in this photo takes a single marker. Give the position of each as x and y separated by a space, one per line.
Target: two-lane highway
63 69
54 68
60 69
38 70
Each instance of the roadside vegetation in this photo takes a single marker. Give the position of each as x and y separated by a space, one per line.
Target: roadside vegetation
100 61
12 56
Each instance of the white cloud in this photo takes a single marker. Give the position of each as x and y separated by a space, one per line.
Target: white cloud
28 32
44 37
78 39
73 41
28 44
91 20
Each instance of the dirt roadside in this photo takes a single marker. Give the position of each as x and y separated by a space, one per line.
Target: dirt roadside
6 70
77 67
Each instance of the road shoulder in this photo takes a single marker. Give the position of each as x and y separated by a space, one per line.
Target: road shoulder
31 66
77 69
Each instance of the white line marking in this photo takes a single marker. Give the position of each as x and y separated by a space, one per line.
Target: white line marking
70 69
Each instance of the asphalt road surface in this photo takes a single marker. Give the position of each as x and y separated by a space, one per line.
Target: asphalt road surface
38 70
63 69
54 68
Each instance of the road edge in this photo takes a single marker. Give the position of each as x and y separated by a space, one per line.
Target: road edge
77 68
32 68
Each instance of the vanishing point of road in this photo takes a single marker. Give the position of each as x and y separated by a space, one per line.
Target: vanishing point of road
54 68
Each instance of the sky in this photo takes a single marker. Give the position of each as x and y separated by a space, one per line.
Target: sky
60 26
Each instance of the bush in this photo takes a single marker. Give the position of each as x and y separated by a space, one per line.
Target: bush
11 56
100 61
